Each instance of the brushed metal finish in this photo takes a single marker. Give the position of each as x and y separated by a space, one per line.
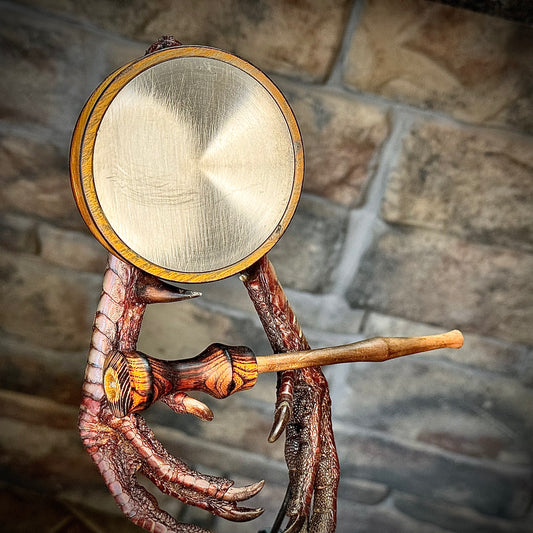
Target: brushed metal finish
193 164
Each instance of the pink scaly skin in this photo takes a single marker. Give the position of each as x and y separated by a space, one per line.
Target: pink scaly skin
123 447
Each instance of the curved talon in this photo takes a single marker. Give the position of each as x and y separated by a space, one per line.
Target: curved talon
234 494
240 514
295 524
285 335
182 403
282 415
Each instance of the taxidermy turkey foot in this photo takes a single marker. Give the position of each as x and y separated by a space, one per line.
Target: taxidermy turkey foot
124 447
303 409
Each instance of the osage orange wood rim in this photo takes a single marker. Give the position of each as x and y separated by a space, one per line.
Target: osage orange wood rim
251 112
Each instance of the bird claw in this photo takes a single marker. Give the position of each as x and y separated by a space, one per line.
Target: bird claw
282 415
295 524
182 403
239 494
124 447
303 410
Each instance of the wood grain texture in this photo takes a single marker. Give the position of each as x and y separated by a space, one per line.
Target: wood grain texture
133 380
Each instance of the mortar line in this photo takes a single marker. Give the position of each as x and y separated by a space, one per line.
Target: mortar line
365 222
337 71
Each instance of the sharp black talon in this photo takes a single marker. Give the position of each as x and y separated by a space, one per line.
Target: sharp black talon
281 419
153 290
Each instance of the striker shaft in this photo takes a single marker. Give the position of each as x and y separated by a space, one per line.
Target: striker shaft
376 349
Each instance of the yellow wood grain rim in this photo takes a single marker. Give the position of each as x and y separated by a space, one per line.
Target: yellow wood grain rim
81 162
75 158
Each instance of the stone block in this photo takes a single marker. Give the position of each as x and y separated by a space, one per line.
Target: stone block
227 296
35 181
327 316
434 278
488 487
484 353
30 510
309 250
184 329
47 305
322 316
457 518
41 448
475 67
52 374
358 518
363 491
18 233
342 139
51 67
72 249
475 184
467 413
273 35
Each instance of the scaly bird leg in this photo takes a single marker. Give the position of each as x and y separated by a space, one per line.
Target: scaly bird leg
303 408
123 447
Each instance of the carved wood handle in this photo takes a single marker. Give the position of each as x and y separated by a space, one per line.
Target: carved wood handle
134 380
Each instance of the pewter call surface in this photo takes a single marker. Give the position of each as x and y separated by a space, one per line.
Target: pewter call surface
193 164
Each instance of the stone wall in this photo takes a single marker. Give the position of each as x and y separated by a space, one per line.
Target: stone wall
416 217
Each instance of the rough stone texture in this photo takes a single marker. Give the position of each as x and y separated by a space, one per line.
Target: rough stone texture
326 315
40 446
271 34
475 184
475 67
342 138
488 487
434 278
71 249
356 518
519 10
41 451
412 399
18 233
184 329
364 491
250 421
478 351
57 312
307 253
34 177
455 518
49 65
25 510
31 369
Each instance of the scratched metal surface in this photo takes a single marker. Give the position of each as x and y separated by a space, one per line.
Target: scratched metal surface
193 164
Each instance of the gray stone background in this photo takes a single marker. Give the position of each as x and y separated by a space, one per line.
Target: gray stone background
416 217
